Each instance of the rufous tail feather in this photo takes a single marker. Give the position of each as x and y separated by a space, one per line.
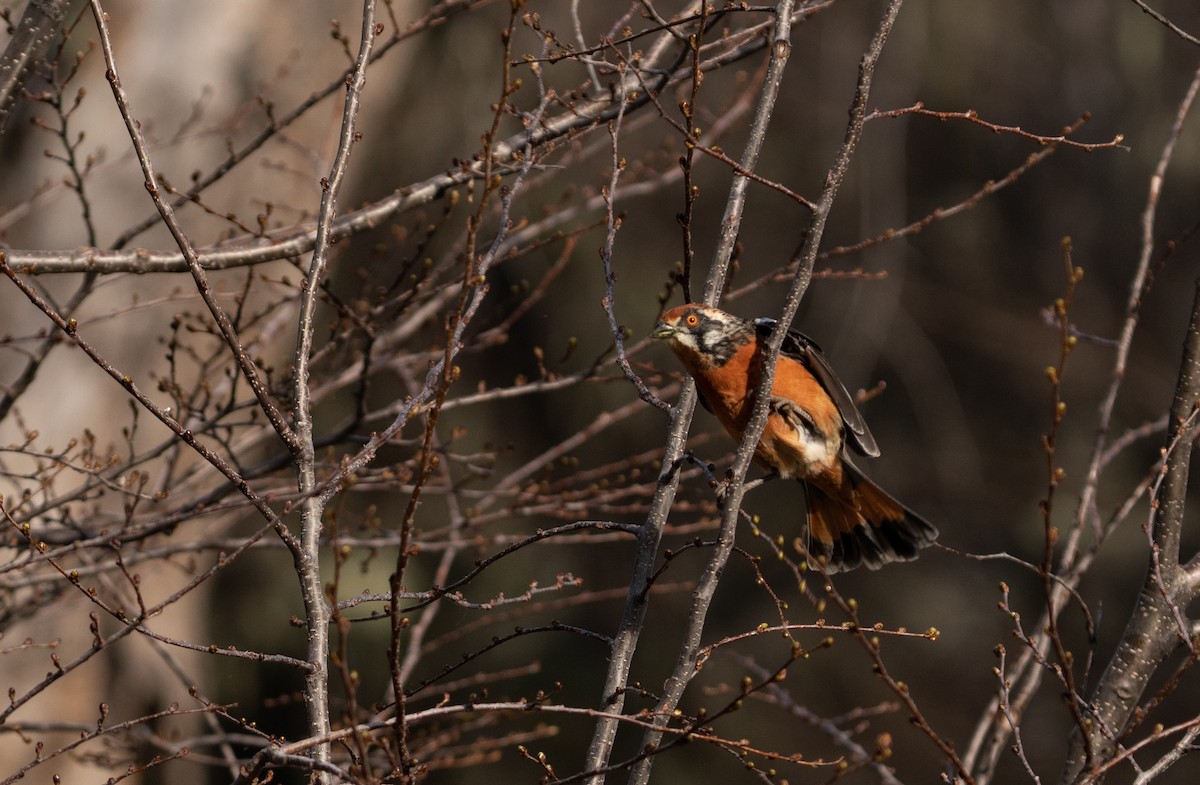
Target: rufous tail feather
859 523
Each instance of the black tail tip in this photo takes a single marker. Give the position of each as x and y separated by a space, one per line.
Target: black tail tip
875 545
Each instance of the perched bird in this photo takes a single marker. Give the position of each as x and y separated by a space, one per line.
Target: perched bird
812 421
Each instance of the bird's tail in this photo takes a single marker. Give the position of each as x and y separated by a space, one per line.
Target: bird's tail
859 523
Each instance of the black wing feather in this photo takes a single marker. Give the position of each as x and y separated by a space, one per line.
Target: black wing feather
800 347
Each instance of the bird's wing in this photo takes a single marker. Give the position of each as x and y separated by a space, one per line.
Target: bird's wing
800 347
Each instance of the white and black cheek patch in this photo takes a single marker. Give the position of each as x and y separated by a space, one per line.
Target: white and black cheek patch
686 339
720 339
719 345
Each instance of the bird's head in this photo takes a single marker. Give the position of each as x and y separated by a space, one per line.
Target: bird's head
702 333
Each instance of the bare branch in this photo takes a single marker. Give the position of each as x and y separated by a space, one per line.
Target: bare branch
1174 28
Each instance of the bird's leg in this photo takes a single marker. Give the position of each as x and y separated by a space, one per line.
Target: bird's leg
793 415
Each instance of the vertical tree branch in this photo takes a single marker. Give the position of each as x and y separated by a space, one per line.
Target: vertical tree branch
685 668
1153 631
731 222
41 22
308 565
626 640
167 213
990 739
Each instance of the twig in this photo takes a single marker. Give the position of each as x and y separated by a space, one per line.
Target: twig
190 257
625 640
990 187
855 752
438 14
1153 631
1127 669
972 116
1186 745
39 25
308 566
685 666
613 222
735 204
299 240
69 327
989 740
1174 28
1004 692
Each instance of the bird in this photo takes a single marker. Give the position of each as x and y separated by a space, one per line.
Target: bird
812 427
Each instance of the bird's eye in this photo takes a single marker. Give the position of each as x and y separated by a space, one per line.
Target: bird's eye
692 320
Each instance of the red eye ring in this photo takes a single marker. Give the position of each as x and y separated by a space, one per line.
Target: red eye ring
692 320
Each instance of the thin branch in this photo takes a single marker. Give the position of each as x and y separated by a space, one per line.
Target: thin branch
626 640
685 667
1174 28
990 739
190 257
613 223
299 240
1186 745
308 565
39 25
187 437
734 206
1153 631
972 116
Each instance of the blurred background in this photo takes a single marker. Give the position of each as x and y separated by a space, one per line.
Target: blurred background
949 321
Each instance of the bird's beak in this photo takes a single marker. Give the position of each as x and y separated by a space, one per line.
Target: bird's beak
663 330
